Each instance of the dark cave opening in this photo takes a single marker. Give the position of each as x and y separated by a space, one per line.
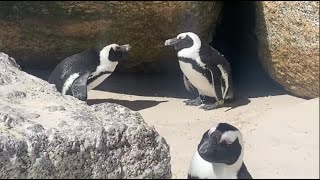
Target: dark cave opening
235 38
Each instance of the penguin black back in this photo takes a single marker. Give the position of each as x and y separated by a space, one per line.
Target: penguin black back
77 74
84 61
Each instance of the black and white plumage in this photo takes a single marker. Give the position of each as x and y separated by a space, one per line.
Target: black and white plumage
219 155
81 72
204 69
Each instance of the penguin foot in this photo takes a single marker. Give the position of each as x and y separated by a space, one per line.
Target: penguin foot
193 102
81 97
216 105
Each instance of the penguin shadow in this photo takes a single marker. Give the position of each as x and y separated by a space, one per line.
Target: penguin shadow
241 101
135 105
141 84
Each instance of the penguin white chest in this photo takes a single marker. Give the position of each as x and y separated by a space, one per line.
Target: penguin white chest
197 79
205 170
200 168
103 67
97 81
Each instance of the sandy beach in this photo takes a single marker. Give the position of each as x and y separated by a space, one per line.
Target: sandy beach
160 102
159 99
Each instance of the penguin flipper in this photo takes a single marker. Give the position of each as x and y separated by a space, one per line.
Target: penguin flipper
225 78
243 173
187 83
79 87
216 82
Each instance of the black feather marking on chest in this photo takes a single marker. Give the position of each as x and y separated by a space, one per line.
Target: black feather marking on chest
90 80
205 72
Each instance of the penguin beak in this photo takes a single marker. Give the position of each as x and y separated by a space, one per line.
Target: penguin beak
125 47
205 148
172 41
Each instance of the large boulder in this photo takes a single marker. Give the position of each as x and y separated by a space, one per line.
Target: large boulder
288 35
43 33
46 135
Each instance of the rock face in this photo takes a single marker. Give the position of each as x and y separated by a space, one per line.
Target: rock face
43 33
46 135
288 35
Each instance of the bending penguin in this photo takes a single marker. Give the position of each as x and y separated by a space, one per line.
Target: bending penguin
219 155
79 73
204 69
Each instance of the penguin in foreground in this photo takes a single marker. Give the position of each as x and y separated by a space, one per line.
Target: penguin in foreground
204 69
79 73
219 155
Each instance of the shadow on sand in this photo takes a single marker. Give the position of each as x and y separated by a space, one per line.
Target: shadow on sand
171 85
136 105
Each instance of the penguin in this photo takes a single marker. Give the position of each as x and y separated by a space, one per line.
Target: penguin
79 73
219 155
204 69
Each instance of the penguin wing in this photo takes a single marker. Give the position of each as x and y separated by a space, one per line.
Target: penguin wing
216 81
188 84
215 62
79 86
243 173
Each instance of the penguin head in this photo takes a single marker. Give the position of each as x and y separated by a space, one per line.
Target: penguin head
184 40
222 143
116 52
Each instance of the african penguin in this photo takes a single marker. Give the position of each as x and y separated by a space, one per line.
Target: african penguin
204 69
79 73
219 155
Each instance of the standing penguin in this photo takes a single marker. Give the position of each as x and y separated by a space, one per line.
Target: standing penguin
204 68
81 72
219 155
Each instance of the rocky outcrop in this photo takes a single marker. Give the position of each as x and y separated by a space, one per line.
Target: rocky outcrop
43 33
288 35
46 135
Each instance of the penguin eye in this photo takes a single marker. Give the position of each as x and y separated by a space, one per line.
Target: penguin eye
225 142
116 48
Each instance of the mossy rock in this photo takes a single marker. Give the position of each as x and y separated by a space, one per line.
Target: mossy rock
41 34
288 35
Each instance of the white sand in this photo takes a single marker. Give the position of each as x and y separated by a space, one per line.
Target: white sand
292 148
182 126
281 132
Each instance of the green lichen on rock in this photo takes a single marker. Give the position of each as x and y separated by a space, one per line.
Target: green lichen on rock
43 33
